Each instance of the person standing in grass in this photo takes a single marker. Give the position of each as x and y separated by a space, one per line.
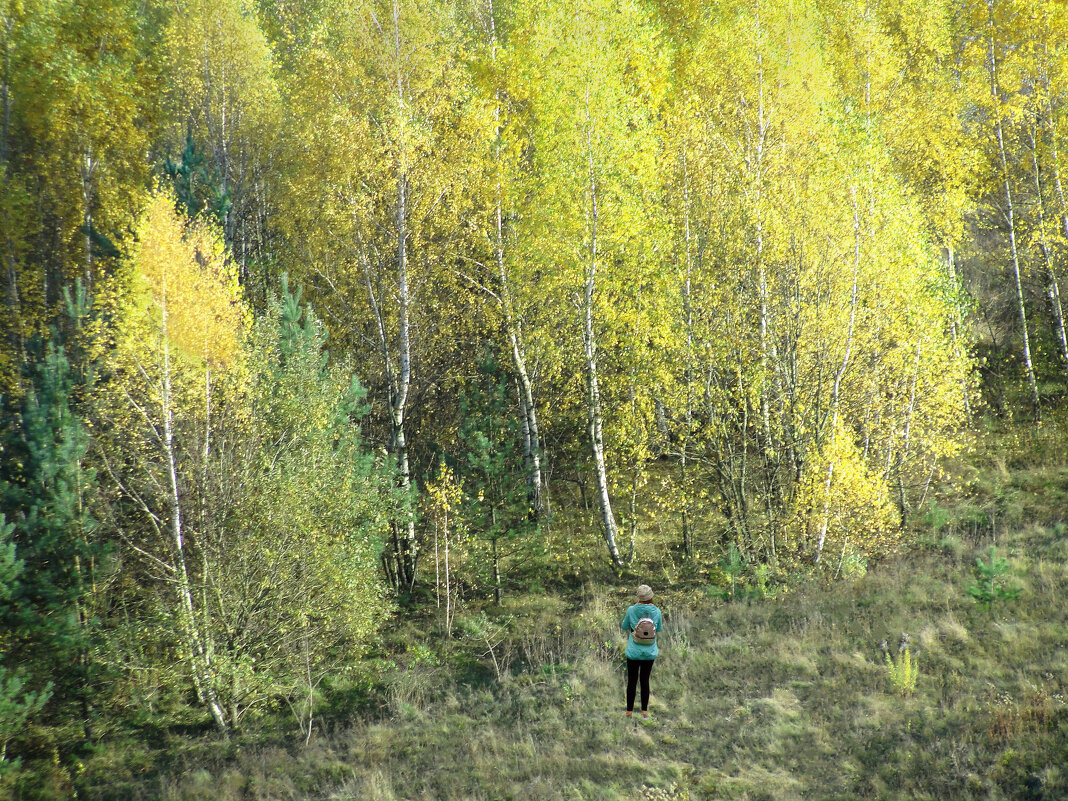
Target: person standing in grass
643 620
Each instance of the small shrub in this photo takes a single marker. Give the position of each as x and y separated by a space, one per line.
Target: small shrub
765 583
854 566
733 565
936 517
17 705
736 578
904 670
951 546
1009 719
991 581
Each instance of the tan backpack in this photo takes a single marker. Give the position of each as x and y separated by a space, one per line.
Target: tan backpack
645 631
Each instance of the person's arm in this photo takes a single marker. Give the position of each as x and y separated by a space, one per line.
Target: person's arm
626 625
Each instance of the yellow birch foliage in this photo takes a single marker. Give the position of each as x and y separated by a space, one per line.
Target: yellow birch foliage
217 66
218 75
249 435
182 293
591 83
860 517
816 320
74 130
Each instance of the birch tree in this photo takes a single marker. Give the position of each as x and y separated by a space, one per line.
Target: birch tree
995 69
812 260
380 145
505 144
221 93
594 158
179 319
75 124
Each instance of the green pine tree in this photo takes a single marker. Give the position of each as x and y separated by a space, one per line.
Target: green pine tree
16 703
44 489
197 183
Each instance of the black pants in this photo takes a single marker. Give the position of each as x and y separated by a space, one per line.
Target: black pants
636 668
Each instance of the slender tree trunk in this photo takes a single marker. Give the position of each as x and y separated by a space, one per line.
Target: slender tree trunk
393 559
206 452
1054 146
1010 218
903 454
768 446
408 558
528 409
792 438
957 319
755 160
532 437
5 95
437 571
224 162
219 137
687 310
836 386
1060 189
496 568
593 395
1054 289
758 159
448 580
195 640
88 169
400 397
10 269
310 697
1055 298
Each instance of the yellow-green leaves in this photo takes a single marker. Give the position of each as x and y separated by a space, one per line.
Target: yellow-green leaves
183 294
74 130
222 121
848 497
810 328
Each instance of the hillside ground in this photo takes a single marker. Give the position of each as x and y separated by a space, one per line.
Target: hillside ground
783 694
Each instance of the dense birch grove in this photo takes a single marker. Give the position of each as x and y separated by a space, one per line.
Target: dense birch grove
317 307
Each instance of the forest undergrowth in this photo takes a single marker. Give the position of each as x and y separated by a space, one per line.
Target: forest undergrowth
787 692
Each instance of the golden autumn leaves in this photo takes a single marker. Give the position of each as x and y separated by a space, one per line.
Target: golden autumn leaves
182 289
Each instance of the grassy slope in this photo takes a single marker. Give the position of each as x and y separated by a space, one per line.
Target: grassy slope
783 698
780 698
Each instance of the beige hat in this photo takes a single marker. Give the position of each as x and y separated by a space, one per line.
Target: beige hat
645 593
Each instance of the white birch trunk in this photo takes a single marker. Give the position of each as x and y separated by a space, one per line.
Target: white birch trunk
1010 218
203 680
836 386
687 310
400 396
448 582
957 320
758 157
532 438
904 454
593 395
87 171
407 559
1053 289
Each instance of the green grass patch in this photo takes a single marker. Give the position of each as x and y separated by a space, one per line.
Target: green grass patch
779 698
781 693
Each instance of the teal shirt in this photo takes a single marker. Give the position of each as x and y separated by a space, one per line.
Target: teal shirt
630 620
